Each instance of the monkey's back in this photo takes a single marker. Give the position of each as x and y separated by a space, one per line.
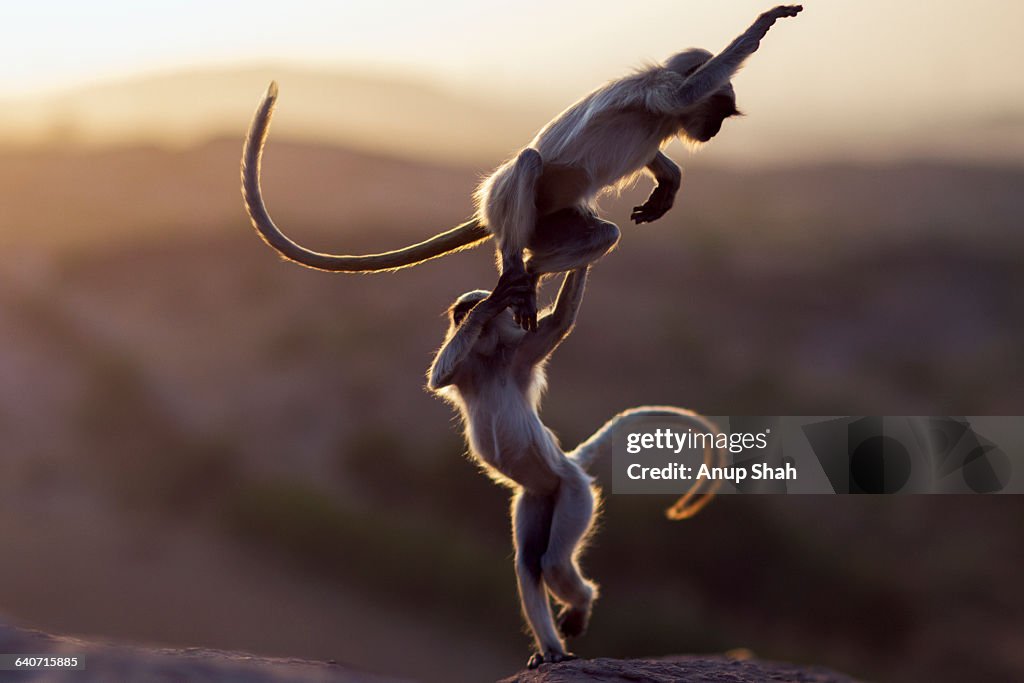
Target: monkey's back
610 134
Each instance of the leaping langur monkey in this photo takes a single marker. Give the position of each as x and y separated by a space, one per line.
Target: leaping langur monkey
493 372
541 201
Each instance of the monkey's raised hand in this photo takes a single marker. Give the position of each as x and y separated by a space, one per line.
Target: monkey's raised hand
752 38
783 11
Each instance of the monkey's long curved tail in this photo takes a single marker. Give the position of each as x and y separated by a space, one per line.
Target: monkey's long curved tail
700 494
469 234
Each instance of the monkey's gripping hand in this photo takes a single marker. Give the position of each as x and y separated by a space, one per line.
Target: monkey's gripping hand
656 206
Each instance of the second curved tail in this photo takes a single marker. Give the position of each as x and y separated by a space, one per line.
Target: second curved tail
700 494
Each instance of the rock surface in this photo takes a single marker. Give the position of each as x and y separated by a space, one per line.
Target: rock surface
676 670
109 662
105 663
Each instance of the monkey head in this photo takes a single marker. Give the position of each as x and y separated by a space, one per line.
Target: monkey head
464 304
704 120
501 329
686 62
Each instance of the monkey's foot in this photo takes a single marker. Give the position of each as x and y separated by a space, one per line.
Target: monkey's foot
524 306
549 658
524 311
572 621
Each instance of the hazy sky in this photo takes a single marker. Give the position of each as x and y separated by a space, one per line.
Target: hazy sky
943 48
843 64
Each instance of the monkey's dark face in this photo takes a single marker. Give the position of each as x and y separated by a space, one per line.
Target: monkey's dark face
705 120
502 329
458 311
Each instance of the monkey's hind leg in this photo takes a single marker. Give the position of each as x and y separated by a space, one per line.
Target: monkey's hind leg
531 516
570 524
569 239
508 200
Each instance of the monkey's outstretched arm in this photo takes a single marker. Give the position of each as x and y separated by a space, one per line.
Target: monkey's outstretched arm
721 68
553 328
668 178
467 235
448 360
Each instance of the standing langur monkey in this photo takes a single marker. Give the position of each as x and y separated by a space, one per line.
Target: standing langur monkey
542 200
493 372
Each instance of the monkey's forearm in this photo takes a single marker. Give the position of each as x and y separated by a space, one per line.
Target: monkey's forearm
552 329
721 68
570 297
668 177
455 350
665 171
718 71
556 326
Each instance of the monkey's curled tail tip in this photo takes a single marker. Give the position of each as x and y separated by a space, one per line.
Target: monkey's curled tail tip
680 515
690 504
271 92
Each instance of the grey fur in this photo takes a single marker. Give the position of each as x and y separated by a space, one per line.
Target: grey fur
600 142
618 130
493 372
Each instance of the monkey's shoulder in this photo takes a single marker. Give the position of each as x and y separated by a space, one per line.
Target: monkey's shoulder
645 89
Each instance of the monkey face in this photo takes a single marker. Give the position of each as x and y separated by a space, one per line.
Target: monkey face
500 330
705 120
464 304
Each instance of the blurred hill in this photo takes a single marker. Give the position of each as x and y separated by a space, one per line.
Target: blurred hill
180 408
413 117
385 112
61 196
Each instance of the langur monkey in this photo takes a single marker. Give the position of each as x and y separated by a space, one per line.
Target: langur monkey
542 199
493 372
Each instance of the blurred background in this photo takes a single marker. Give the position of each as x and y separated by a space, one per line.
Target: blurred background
205 446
